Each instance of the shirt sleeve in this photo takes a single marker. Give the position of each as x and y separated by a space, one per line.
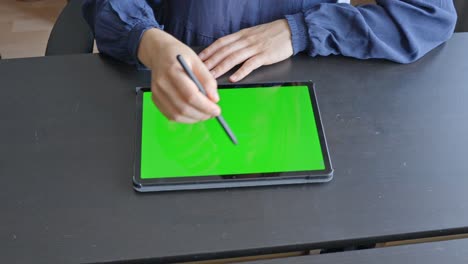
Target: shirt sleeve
398 30
119 25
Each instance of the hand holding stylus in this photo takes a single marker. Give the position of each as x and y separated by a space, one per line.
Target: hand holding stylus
174 93
200 87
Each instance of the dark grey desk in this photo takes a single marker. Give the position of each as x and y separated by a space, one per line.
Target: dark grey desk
453 252
397 136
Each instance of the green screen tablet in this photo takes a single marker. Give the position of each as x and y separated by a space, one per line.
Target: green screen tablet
277 126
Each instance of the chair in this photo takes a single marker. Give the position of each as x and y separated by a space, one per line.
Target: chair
462 11
70 34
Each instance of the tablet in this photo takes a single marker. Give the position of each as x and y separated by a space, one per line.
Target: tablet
279 132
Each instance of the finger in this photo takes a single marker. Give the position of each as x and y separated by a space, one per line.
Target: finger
190 95
223 52
177 108
234 59
207 80
221 42
248 66
180 106
169 111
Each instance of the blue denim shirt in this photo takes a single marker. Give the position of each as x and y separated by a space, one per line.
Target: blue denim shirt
397 30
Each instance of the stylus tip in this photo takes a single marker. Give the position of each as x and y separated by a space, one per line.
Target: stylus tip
234 140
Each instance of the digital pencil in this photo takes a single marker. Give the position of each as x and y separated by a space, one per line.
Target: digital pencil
220 118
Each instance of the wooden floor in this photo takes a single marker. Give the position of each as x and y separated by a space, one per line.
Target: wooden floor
25 26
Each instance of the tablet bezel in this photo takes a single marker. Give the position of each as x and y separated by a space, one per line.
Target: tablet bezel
255 178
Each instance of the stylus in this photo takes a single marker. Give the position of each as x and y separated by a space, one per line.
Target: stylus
220 118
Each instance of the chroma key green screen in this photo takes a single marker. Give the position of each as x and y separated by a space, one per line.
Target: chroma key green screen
275 127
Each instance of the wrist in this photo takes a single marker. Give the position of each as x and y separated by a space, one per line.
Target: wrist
299 32
152 41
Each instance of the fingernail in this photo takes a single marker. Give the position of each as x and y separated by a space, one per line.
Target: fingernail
217 112
234 78
216 97
213 73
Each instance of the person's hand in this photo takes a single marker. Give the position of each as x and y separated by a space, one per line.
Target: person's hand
260 45
174 93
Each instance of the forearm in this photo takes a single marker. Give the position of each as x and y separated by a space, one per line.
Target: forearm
398 30
118 26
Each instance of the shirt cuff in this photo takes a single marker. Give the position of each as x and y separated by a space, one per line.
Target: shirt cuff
299 35
135 36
